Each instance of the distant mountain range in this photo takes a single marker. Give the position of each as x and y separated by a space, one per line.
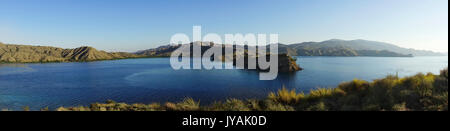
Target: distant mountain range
26 54
334 47
165 50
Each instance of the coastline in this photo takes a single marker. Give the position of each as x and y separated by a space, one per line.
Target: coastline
144 57
383 94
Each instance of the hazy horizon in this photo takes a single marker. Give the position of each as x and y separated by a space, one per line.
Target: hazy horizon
113 25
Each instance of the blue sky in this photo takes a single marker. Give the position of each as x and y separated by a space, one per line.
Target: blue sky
131 25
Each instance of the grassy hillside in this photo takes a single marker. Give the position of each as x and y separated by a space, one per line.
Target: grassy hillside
421 92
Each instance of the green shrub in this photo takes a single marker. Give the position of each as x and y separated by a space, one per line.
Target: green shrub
355 86
45 109
26 108
254 105
286 96
320 106
271 105
235 105
444 73
188 104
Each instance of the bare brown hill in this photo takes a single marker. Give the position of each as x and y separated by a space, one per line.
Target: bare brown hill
28 54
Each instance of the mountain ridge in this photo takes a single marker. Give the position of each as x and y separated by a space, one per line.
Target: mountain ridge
11 53
360 44
333 47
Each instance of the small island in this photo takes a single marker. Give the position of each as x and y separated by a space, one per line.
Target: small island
285 63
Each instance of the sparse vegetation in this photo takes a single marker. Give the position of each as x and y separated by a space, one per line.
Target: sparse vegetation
421 92
43 54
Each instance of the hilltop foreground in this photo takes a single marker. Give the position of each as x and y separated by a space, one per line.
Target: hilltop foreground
422 92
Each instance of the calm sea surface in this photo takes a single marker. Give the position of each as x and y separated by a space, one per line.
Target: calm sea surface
153 80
